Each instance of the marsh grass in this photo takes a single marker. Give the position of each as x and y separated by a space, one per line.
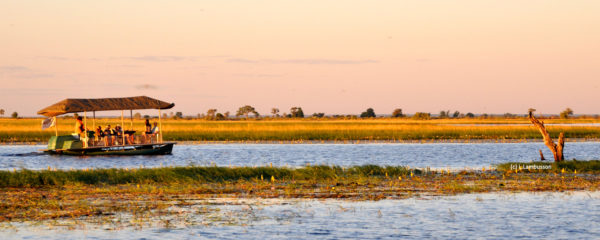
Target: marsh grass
103 196
188 175
28 130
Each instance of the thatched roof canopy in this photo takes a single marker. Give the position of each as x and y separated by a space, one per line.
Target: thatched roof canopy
70 105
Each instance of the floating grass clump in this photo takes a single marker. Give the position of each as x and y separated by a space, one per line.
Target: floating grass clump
592 166
182 175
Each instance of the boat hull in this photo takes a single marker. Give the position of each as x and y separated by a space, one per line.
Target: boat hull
140 149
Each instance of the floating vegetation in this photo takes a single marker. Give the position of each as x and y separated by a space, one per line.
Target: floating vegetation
189 175
135 197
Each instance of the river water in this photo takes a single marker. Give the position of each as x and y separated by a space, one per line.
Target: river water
574 215
435 155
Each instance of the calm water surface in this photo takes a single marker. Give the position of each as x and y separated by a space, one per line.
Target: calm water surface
473 216
435 155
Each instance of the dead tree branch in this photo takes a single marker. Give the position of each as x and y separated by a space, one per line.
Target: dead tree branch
557 149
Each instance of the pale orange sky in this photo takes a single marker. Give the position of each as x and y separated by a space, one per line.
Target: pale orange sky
325 56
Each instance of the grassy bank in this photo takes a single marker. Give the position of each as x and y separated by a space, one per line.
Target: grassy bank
28 130
189 175
214 174
146 195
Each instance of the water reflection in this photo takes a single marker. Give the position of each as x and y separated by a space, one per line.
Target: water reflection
492 215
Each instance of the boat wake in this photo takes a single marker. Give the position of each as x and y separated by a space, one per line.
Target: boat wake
29 154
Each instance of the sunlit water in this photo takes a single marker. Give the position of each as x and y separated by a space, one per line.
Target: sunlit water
435 155
473 216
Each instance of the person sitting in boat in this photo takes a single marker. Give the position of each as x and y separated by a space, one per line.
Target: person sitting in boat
148 130
117 133
108 137
99 134
154 132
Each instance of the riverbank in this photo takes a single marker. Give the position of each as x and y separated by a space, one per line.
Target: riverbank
103 194
423 141
315 130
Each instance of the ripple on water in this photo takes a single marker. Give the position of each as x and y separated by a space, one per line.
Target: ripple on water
435 155
490 215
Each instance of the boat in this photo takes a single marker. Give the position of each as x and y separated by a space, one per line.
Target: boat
85 145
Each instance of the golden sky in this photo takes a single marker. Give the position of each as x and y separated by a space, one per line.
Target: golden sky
478 56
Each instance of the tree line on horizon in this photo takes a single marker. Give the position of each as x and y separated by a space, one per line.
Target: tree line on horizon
247 111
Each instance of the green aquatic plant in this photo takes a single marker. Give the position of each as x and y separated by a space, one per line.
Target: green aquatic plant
190 174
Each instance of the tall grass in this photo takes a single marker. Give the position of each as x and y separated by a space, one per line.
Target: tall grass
28 130
28 178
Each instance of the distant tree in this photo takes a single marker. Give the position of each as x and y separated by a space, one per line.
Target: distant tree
509 115
220 116
246 110
566 113
445 114
296 112
470 115
210 114
15 115
456 114
75 115
165 115
226 114
171 115
178 115
275 112
397 113
370 113
1 112
137 115
421 116
146 116
318 115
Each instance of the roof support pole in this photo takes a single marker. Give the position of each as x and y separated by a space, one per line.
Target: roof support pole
55 126
122 127
85 135
131 118
160 126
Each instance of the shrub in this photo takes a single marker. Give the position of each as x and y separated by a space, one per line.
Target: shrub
397 113
421 116
370 113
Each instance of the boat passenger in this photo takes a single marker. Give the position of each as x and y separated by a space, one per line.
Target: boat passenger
80 129
148 126
130 137
154 131
108 138
118 134
148 130
99 134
